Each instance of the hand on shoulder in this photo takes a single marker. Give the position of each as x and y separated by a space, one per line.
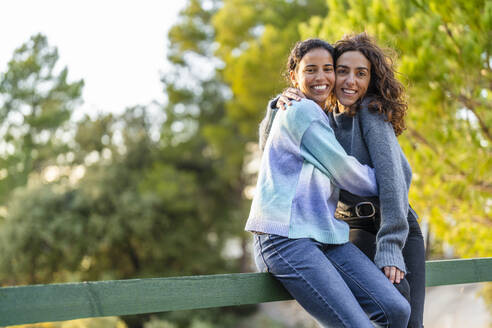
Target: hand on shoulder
289 96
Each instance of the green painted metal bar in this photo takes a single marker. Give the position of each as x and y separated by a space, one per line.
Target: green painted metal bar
56 302
453 272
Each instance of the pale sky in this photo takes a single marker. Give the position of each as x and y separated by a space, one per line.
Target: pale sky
117 47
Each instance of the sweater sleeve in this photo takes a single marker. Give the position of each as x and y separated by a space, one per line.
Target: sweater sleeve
386 156
266 123
320 147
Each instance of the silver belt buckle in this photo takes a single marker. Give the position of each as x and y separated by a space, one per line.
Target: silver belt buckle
359 205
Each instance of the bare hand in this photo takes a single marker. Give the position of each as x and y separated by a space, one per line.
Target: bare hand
394 274
289 94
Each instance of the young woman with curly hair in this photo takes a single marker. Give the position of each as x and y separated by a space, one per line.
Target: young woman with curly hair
367 119
297 238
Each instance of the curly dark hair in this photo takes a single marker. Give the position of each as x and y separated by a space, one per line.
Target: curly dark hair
300 49
387 94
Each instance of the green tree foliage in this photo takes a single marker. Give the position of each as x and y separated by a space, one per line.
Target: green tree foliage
136 212
123 201
143 205
445 59
83 229
36 101
195 136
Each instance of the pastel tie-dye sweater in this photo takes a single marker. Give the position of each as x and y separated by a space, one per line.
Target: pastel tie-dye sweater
302 168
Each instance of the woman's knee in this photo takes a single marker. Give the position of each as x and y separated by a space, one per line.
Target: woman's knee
398 313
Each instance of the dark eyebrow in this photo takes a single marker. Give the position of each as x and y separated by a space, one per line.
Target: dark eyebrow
312 65
360 67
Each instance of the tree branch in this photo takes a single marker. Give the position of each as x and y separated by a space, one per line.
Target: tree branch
451 36
472 104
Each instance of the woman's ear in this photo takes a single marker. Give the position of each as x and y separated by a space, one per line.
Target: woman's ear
293 79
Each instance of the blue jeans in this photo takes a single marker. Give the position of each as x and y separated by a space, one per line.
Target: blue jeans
337 284
414 255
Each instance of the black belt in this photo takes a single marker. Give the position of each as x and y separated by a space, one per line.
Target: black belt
363 215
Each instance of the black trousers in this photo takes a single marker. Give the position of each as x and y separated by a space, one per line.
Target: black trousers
414 255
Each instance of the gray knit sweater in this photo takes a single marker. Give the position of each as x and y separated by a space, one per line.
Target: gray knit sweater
370 139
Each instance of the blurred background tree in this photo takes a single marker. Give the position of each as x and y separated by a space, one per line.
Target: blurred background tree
140 195
35 106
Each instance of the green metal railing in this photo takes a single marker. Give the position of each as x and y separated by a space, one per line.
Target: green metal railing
56 302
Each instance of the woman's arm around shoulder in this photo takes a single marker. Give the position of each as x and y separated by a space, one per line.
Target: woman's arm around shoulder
307 121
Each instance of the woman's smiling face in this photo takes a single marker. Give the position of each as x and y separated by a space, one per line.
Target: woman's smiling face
315 75
353 75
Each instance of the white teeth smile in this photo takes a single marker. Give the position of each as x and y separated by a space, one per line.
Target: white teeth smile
348 91
320 87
